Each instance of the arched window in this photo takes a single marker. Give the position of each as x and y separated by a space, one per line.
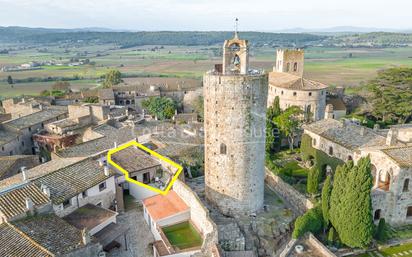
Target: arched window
330 150
350 158
223 149
406 185
295 67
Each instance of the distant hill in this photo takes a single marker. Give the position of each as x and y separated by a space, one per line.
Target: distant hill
129 39
342 29
337 36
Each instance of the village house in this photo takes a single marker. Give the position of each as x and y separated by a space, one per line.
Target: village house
141 167
390 151
63 133
33 238
11 165
16 134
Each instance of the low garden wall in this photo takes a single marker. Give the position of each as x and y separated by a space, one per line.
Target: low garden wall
200 217
298 201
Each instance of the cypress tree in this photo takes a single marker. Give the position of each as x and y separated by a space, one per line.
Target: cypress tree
326 191
351 205
313 180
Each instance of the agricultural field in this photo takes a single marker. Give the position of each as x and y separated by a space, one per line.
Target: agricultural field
333 66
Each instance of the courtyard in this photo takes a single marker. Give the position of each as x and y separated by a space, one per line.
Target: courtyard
139 237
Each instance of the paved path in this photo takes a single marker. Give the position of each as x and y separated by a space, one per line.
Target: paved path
138 238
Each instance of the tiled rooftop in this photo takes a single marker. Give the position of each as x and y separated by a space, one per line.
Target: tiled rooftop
13 202
38 171
36 118
401 155
52 233
348 135
7 136
7 162
106 94
14 243
290 81
134 159
71 180
176 142
89 216
163 206
110 135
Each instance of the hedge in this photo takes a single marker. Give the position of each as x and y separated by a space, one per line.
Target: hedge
311 221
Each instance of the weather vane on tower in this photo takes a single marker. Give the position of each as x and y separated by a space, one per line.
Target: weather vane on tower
236 27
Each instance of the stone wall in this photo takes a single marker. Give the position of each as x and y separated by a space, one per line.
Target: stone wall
298 201
235 108
199 215
316 99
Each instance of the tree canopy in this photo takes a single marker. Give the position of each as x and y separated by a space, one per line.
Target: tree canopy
391 95
289 123
161 107
113 77
272 140
351 210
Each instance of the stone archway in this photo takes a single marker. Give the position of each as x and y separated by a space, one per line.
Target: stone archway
384 180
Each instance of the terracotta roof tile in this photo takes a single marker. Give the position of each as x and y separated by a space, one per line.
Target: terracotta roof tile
163 206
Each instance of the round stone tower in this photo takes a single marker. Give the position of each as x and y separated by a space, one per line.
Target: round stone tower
235 110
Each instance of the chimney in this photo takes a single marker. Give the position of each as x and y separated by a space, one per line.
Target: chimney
101 162
29 204
391 138
23 173
85 237
106 170
46 190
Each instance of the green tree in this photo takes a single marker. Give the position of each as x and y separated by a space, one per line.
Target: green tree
113 77
272 141
381 230
198 107
351 205
391 95
313 180
311 221
9 80
331 236
289 123
161 107
326 191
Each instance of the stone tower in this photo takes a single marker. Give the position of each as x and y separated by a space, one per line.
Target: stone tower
290 61
235 109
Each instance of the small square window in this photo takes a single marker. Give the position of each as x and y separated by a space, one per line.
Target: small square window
310 93
84 194
102 186
66 204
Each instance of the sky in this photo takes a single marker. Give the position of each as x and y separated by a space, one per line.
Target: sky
256 15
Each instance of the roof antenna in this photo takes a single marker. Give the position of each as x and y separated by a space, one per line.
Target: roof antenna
236 28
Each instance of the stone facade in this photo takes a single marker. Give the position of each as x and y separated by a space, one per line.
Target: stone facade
290 61
287 82
235 108
391 160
